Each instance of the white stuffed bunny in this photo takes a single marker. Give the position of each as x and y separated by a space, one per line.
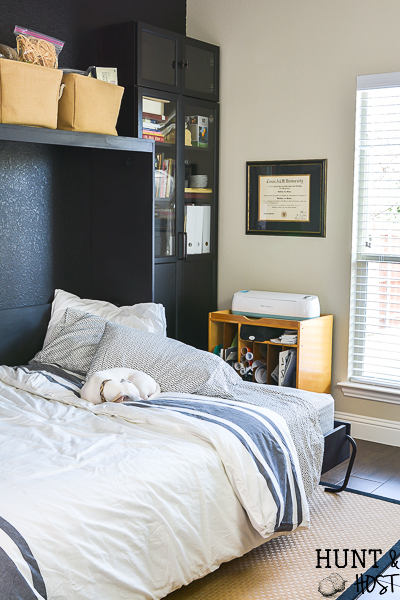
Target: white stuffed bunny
119 385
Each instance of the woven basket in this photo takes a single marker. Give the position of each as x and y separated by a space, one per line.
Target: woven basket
88 104
28 94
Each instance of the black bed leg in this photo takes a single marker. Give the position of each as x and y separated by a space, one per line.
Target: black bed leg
336 490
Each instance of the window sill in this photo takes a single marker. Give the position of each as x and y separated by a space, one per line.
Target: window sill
370 392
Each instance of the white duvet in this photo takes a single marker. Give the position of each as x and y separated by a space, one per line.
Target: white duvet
117 502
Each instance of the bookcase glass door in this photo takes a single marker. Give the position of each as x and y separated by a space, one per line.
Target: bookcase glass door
199 178
159 124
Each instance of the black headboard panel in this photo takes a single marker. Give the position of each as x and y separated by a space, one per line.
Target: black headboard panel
22 333
76 213
45 222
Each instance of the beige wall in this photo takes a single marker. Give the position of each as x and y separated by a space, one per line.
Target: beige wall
288 79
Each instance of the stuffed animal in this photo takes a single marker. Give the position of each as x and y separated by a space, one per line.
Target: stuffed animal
119 385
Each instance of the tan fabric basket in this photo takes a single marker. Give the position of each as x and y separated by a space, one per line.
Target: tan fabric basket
28 94
88 104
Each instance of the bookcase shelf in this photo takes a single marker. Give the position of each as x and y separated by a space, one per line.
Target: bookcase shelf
314 345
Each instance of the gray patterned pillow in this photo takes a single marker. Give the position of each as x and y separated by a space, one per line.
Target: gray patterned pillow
73 342
175 366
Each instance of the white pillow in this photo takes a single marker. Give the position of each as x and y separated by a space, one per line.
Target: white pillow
146 316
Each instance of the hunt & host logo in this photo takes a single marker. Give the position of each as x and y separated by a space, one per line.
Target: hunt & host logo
387 581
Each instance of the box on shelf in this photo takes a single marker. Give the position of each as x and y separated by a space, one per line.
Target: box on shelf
108 74
198 127
154 107
29 94
88 104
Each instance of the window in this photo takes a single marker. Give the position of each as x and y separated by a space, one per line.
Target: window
374 356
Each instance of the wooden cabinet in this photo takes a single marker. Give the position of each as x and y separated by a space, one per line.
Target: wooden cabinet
171 88
314 345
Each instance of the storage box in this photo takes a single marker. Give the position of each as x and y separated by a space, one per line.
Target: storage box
198 127
88 104
28 94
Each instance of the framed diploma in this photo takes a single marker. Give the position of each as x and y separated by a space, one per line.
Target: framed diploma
286 198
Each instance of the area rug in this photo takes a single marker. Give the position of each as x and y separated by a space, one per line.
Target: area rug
353 537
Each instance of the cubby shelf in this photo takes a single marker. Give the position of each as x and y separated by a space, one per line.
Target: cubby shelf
314 345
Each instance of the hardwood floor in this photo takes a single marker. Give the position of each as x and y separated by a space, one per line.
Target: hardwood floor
376 470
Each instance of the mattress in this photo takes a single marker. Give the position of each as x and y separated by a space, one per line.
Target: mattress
324 405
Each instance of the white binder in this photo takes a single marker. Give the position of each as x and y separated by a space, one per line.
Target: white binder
194 229
206 228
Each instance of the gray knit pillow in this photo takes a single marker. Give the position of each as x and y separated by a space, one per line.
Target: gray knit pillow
175 366
73 342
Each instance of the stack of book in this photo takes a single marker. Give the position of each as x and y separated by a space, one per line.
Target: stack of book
156 125
153 118
288 337
164 177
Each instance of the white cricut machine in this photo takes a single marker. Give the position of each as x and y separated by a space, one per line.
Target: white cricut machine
251 303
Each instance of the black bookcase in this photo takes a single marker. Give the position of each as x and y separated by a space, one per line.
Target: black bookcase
171 97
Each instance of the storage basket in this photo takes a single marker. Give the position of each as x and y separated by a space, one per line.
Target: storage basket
28 94
89 104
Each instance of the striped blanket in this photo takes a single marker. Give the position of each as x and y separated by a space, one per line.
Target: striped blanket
269 453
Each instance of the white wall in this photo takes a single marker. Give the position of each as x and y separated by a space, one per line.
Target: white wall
288 82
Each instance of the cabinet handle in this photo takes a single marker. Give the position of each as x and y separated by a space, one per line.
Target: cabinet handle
184 64
182 246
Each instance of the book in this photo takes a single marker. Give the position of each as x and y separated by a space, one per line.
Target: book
165 178
153 116
153 135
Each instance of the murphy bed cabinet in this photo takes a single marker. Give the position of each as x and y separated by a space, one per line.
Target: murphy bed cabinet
314 345
171 98
63 225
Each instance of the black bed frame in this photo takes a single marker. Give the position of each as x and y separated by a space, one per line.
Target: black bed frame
337 450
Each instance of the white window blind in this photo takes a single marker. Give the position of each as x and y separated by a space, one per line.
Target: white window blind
375 300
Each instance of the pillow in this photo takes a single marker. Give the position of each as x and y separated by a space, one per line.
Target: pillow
174 365
73 342
146 316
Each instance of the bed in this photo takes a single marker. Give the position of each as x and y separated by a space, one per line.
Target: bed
134 500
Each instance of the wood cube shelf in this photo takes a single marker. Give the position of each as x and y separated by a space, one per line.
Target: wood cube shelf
314 345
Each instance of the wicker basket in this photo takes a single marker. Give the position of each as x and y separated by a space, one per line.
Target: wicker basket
28 94
88 104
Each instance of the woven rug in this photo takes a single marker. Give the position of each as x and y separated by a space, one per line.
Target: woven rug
285 568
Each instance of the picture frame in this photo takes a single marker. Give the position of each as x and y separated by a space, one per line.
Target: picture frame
286 197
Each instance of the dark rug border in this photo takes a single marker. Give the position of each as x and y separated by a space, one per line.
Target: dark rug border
359 492
383 563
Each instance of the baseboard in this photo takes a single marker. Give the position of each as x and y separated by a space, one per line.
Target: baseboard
372 429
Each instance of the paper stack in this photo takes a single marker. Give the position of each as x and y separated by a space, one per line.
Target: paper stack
288 337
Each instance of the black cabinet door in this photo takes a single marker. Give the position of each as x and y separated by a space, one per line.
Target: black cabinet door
159 58
197 291
171 62
165 293
200 69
